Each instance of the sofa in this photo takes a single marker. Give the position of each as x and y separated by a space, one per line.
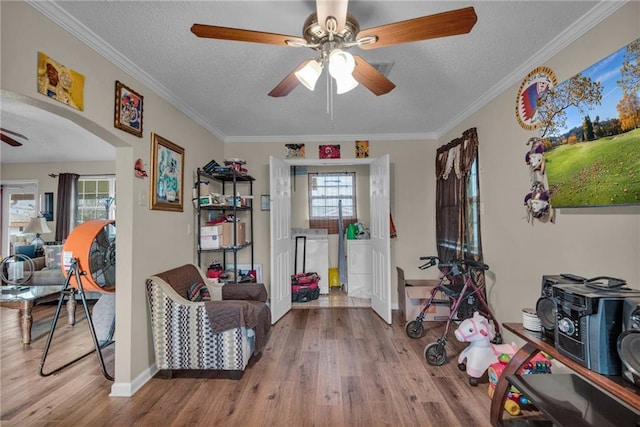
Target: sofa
43 270
199 324
46 274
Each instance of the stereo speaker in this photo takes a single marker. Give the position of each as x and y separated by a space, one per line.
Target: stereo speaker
629 340
546 305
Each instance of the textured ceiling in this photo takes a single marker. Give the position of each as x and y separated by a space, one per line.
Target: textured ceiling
223 85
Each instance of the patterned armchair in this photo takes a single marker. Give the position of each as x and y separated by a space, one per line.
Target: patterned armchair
221 334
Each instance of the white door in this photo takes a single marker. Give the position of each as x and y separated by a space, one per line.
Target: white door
380 239
19 205
280 189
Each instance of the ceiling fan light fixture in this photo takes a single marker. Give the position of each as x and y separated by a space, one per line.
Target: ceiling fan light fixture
345 84
309 74
341 63
341 66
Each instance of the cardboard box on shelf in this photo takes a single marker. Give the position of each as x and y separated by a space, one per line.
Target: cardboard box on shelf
413 295
210 237
227 233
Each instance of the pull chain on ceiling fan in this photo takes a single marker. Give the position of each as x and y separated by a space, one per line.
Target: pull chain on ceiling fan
331 30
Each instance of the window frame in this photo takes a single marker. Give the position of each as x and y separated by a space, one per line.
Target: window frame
331 222
80 218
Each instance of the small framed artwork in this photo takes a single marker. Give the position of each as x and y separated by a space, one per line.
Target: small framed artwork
329 152
167 175
60 82
128 110
295 151
362 149
265 203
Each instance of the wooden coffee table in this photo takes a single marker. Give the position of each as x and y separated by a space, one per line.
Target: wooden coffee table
24 298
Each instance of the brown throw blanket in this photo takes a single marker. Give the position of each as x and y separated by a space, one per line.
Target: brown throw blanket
245 291
225 315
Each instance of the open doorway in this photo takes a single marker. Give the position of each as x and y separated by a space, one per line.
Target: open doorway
314 208
19 205
280 221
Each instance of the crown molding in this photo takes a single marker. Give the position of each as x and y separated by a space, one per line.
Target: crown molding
576 30
59 16
589 20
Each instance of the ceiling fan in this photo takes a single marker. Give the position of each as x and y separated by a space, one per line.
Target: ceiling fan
330 31
4 136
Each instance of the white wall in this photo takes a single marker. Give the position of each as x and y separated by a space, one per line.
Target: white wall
588 242
412 197
148 241
585 241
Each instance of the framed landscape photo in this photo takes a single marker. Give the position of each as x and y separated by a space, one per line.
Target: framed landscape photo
128 110
167 175
591 134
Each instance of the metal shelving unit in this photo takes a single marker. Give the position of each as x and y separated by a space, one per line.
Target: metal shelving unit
236 183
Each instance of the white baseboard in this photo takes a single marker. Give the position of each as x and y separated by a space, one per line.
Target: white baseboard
129 389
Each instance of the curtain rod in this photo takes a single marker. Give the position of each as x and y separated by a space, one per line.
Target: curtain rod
54 175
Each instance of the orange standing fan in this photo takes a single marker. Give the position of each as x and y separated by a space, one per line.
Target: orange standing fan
92 244
88 264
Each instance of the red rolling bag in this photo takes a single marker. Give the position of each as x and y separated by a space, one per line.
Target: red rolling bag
304 286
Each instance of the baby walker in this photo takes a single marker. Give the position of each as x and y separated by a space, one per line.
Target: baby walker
465 298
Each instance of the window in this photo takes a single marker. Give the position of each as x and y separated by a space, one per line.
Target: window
21 209
458 199
472 216
96 198
326 190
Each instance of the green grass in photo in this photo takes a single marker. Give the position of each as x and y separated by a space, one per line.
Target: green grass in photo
601 172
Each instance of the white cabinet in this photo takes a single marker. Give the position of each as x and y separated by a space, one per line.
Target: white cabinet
359 268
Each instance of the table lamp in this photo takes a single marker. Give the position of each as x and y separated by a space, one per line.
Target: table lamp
37 225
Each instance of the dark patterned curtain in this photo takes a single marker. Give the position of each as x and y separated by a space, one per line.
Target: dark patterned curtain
67 201
453 210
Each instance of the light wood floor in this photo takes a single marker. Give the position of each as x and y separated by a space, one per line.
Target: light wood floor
321 367
335 298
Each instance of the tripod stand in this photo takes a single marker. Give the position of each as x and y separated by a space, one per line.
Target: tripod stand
70 292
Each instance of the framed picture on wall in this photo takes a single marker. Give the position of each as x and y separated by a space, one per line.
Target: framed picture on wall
60 82
265 202
167 175
128 110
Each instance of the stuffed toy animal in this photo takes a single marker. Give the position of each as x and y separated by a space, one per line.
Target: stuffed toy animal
481 352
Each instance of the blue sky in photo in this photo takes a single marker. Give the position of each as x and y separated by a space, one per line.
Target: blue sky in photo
607 72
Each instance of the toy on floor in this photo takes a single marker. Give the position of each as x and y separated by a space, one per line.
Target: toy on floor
516 401
481 352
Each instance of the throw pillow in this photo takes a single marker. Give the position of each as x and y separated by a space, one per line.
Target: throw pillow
198 292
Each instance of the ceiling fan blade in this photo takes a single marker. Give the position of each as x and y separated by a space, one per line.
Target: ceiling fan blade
371 78
335 8
9 140
236 34
289 83
451 23
13 133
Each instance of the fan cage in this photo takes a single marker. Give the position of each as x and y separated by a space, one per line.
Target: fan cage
92 243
